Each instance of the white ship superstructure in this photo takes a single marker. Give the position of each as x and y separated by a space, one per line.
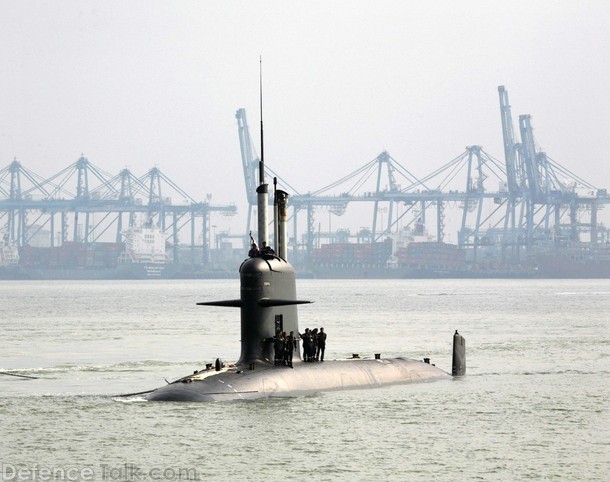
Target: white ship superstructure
9 254
404 237
144 244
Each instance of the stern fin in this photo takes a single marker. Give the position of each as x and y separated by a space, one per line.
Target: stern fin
459 355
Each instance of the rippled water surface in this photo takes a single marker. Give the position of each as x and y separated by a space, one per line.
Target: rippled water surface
533 406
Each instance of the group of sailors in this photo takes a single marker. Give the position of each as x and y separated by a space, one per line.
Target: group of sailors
314 344
264 251
284 346
255 252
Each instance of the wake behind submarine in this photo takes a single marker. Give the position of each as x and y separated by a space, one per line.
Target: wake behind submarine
268 305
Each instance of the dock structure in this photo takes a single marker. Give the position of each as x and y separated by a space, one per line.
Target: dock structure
84 204
474 214
506 211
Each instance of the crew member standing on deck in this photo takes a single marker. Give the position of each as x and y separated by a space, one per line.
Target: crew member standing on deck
314 345
306 337
321 343
289 350
278 346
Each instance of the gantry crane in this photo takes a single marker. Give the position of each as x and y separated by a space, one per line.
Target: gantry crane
29 203
535 198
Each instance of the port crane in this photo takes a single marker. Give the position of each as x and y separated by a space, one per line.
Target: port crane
96 204
533 201
508 210
390 187
547 203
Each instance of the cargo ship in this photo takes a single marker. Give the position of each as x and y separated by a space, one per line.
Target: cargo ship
409 253
578 260
142 255
424 260
352 260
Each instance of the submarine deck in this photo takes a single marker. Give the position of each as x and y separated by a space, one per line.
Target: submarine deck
267 380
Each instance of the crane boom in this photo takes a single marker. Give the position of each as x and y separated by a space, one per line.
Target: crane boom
510 150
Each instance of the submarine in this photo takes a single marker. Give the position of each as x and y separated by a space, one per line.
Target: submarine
268 304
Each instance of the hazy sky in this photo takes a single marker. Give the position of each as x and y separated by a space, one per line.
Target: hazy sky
157 83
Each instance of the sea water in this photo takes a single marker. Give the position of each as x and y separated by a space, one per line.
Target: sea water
533 406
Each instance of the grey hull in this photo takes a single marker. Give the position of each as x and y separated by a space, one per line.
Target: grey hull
267 380
269 326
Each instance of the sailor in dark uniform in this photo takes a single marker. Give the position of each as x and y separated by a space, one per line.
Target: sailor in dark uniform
290 346
254 251
267 250
321 344
278 346
314 345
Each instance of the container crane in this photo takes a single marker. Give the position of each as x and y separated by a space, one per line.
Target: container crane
24 193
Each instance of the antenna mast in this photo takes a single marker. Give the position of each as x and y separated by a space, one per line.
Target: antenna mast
261 174
262 193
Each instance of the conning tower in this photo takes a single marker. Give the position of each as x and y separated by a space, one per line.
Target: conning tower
267 290
268 294
267 281
268 286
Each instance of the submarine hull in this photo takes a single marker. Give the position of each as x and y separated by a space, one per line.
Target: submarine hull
266 380
269 326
